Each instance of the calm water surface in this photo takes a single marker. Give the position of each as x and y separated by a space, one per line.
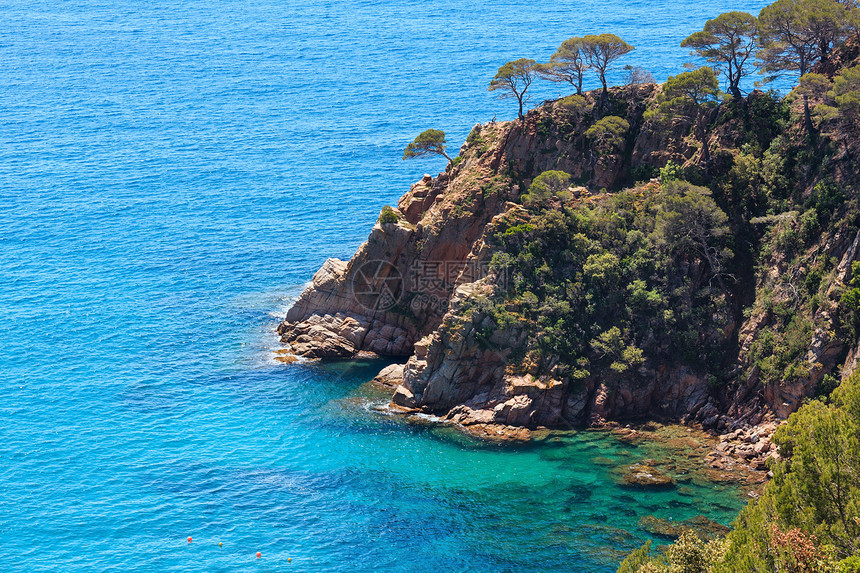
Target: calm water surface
171 174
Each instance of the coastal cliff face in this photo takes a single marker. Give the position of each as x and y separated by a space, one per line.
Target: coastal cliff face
731 328
396 288
822 350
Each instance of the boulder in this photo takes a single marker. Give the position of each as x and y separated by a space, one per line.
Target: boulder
391 376
645 476
403 398
669 529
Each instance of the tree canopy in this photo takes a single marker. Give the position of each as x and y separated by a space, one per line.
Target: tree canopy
598 282
513 80
608 133
697 88
786 40
789 36
691 222
795 34
686 95
842 100
828 22
428 142
567 64
729 43
601 51
814 492
813 85
546 185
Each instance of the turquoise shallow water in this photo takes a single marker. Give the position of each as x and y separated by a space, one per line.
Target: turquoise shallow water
170 175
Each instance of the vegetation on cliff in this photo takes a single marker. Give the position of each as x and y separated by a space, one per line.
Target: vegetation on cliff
791 200
428 142
718 292
596 282
656 274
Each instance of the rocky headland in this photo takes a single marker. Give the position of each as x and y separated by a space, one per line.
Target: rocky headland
429 285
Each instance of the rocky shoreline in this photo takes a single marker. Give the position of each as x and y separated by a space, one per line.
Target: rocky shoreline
739 457
749 447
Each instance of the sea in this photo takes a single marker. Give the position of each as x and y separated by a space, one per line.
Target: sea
172 173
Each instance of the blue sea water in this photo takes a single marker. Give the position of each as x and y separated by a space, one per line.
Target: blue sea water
171 174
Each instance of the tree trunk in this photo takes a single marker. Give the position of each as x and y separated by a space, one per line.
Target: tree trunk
713 264
807 117
604 93
520 99
736 92
706 151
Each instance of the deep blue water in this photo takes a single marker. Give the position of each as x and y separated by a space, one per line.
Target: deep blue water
171 174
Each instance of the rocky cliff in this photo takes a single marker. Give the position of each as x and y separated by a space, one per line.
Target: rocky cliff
426 285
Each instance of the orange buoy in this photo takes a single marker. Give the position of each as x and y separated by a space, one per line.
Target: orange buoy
289 559
219 544
259 554
189 539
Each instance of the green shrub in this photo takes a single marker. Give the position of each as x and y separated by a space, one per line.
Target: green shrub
574 103
388 215
671 172
544 126
636 559
849 303
546 185
474 136
608 133
849 565
766 117
475 140
779 352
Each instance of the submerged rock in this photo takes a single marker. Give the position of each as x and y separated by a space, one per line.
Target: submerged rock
286 356
642 475
499 433
701 525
